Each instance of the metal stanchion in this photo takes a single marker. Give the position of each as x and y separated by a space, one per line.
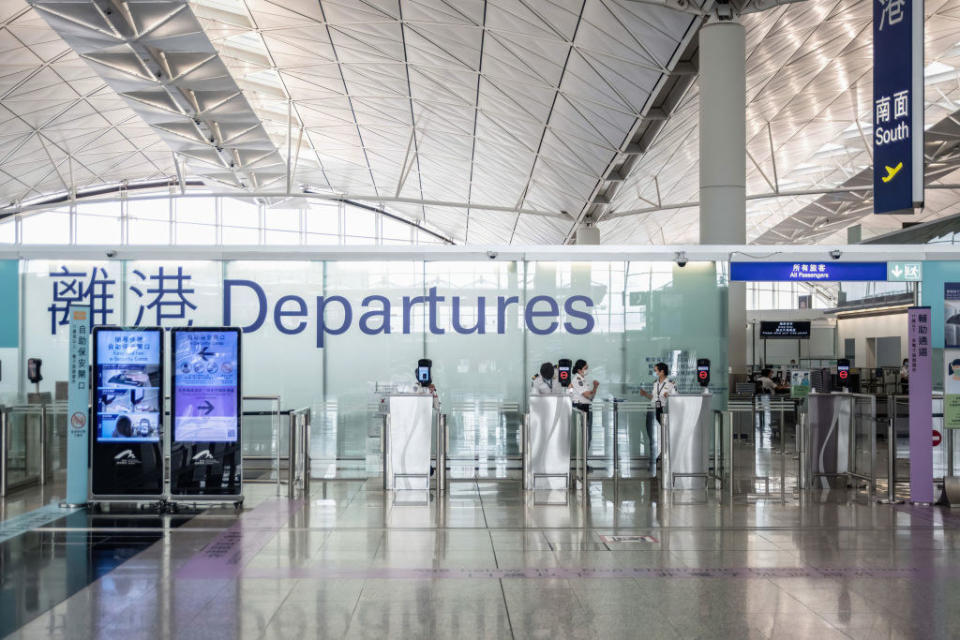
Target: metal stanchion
583 455
306 453
732 459
43 444
783 462
891 459
949 452
524 430
292 458
385 451
442 452
616 443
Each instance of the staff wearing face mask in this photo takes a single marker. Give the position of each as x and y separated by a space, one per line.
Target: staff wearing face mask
583 394
661 390
543 383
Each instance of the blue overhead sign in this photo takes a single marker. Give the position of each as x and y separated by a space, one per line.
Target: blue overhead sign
897 105
807 271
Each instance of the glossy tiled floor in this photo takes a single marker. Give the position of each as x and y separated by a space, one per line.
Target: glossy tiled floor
486 561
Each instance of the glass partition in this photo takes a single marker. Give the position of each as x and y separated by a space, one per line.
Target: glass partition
337 335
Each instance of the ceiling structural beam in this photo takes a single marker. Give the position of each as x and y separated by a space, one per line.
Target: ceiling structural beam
158 58
664 98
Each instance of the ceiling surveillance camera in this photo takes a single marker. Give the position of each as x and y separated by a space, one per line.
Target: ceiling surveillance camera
835 254
111 253
492 255
681 259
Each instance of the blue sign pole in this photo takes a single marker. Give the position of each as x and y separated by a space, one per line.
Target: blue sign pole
897 105
78 402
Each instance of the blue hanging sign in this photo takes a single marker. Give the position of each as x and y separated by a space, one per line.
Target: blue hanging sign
78 403
897 105
808 271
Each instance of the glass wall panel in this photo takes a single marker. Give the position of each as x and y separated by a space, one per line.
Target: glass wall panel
240 220
280 356
379 350
323 223
99 227
8 230
282 226
359 223
148 221
196 220
48 227
478 356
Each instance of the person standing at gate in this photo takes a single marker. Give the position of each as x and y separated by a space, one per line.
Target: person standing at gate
543 384
662 389
583 394
767 388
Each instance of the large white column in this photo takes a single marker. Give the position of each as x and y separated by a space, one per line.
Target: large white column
723 159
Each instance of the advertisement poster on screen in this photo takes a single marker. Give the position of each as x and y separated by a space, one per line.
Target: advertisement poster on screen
951 388
128 386
206 385
951 314
799 384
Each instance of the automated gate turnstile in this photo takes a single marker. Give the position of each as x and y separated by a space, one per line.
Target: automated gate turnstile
546 450
688 425
407 441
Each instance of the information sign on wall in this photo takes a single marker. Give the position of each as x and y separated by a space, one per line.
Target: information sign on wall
897 105
78 403
205 449
921 404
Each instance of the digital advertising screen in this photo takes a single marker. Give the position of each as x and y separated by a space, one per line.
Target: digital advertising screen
206 387
128 377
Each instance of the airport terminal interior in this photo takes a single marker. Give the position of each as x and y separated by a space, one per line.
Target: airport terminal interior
479 319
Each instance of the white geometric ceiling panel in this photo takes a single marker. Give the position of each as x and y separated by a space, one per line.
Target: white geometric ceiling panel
61 126
468 106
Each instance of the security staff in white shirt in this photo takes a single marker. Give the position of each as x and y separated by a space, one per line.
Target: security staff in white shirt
662 388
543 383
583 394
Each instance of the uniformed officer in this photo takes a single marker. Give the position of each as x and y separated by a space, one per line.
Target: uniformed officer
583 394
661 389
543 383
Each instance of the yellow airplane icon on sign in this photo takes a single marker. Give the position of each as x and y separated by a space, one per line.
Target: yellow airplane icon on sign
891 172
